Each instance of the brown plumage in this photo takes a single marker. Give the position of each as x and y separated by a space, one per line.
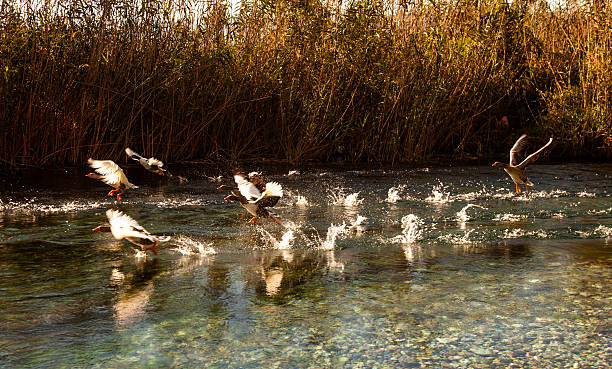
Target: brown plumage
516 169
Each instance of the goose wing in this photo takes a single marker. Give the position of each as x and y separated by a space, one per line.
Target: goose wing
517 152
533 157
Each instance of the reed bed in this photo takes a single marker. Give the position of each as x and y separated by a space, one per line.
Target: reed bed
301 80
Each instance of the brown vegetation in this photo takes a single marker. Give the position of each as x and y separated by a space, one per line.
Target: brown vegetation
301 80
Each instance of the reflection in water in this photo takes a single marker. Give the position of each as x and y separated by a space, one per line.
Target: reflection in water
272 268
413 253
135 292
332 264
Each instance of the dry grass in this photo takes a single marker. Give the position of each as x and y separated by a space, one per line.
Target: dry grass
301 81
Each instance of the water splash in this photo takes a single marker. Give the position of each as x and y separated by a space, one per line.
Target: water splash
333 233
356 225
301 201
393 195
140 254
339 198
438 195
462 215
411 230
286 240
292 172
189 246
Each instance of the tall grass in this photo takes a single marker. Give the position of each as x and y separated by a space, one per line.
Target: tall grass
301 80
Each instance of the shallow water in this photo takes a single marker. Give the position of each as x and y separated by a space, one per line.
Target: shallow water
436 267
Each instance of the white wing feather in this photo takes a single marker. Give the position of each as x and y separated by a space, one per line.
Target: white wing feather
123 226
153 161
246 188
273 189
103 167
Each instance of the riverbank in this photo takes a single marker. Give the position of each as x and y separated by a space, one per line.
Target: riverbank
369 82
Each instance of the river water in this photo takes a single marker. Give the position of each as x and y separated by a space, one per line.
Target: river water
420 267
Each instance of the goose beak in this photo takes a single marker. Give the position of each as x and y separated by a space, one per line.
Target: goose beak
160 172
227 197
97 229
88 174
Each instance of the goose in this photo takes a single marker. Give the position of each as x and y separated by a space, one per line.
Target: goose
123 226
111 174
151 164
515 169
254 195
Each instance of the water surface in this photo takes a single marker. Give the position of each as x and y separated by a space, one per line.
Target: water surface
436 267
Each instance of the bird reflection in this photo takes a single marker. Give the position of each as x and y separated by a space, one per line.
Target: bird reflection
272 269
135 291
413 253
332 264
509 251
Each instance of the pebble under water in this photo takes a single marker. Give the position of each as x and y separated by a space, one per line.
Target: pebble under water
422 267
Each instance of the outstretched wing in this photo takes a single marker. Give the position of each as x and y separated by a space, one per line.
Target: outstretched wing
517 152
103 167
133 154
123 226
111 173
153 161
533 157
246 188
272 194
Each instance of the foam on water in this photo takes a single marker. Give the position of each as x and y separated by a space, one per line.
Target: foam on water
510 217
604 231
518 233
585 194
456 239
189 246
411 230
30 206
177 202
553 194
292 172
